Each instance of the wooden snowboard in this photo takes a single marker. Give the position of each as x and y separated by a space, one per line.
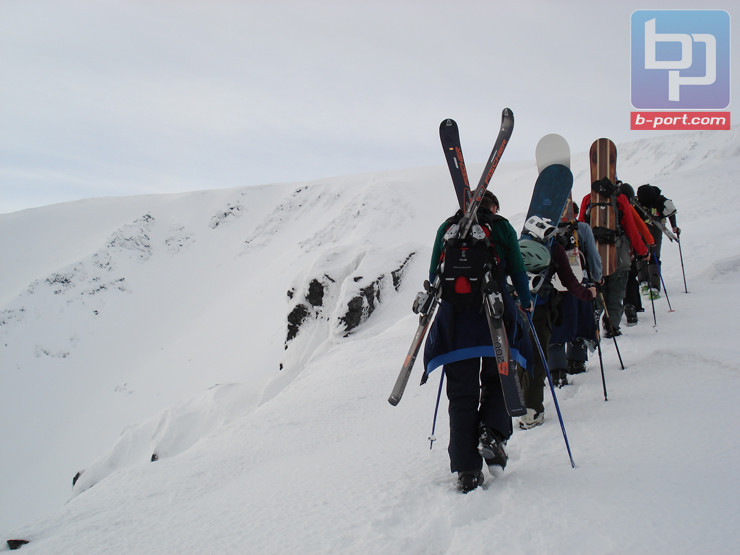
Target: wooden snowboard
603 158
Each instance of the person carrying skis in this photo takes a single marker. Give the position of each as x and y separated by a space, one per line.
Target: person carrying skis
627 239
575 328
659 208
460 340
544 262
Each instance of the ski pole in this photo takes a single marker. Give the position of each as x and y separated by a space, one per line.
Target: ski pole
432 438
552 387
598 347
660 273
650 294
614 337
683 271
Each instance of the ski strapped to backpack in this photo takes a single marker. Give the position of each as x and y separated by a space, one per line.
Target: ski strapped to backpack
427 301
504 134
468 251
425 305
449 136
645 213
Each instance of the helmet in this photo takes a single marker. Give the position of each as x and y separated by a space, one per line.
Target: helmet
539 228
536 256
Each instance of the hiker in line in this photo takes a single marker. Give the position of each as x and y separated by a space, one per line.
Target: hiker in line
660 208
576 327
544 258
460 339
632 298
626 239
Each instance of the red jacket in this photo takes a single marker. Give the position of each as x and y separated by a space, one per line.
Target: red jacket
628 223
642 227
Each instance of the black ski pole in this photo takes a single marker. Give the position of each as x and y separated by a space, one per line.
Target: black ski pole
598 347
552 387
660 273
683 270
614 337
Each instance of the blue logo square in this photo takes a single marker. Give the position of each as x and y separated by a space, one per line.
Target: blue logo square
680 59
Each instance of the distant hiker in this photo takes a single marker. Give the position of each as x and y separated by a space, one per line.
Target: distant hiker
659 207
576 327
632 298
627 239
460 339
543 259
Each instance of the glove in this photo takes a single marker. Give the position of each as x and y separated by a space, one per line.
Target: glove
677 230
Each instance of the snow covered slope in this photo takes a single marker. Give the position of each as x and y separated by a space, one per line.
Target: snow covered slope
217 364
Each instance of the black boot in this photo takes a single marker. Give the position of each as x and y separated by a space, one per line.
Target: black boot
559 377
576 366
468 480
610 331
631 313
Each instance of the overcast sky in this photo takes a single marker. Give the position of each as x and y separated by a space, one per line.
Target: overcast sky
101 98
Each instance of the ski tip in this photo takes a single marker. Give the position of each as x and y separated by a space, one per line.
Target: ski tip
507 120
393 400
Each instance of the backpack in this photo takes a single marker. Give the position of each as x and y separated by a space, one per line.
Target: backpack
465 263
567 235
606 188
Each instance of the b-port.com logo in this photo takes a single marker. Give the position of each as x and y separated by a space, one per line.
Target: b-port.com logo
680 69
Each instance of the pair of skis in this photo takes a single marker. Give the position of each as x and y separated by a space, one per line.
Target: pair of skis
469 201
645 213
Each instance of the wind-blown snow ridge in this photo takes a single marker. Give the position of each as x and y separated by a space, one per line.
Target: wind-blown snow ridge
141 343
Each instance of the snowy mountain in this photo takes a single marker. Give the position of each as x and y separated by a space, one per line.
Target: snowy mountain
212 369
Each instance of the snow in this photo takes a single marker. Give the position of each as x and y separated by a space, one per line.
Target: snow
155 327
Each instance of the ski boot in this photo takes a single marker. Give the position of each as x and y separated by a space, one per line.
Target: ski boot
559 377
468 480
531 419
491 448
631 314
576 366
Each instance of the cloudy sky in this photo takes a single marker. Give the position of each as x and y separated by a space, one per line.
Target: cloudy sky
101 98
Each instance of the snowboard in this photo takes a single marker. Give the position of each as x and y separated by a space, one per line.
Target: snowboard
551 192
554 149
603 160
